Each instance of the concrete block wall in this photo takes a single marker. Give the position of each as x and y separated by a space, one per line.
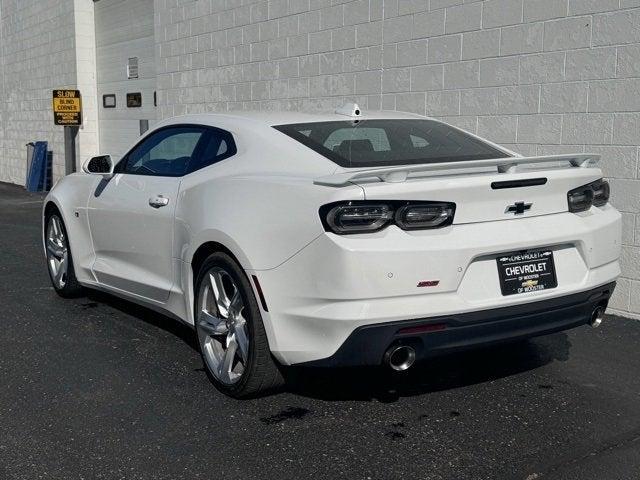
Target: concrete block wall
38 54
540 76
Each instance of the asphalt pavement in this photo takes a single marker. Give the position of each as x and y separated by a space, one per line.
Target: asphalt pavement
99 388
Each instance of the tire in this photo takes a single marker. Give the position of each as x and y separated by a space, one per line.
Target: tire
59 258
231 336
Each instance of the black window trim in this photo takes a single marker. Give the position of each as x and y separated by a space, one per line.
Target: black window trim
207 129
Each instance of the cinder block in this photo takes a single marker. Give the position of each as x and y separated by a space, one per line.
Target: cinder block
591 64
441 103
499 128
629 61
406 7
535 10
522 39
356 60
564 97
411 53
621 298
320 41
542 68
479 101
462 74
481 44
518 99
427 77
343 38
331 62
630 260
463 18
583 128
540 129
567 33
369 34
616 162
499 71
332 17
626 196
444 49
626 129
368 82
396 80
581 7
398 29
411 102
356 12
497 13
616 28
615 95
428 24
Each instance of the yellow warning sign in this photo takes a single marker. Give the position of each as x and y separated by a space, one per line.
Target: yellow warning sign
67 107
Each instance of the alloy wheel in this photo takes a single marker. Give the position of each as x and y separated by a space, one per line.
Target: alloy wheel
57 252
222 328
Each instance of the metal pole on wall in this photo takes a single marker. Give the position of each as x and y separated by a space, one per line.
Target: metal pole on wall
70 134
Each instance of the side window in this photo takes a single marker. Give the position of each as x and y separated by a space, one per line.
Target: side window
168 152
216 146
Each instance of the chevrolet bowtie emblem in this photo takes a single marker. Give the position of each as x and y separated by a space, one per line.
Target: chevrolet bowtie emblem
518 208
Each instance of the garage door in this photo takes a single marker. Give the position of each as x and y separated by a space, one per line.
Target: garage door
126 75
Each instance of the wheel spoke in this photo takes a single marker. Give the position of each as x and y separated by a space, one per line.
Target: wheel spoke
227 361
222 300
54 249
243 341
62 269
235 305
211 325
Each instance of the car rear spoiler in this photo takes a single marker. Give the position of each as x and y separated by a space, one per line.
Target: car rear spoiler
400 174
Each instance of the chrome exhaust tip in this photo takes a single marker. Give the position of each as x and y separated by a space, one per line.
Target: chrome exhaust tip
400 357
597 316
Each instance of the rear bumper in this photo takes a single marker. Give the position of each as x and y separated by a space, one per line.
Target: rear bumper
367 344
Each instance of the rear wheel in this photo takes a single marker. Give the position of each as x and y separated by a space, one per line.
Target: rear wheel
231 335
59 260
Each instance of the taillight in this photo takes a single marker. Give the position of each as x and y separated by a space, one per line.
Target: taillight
371 216
415 217
582 198
359 218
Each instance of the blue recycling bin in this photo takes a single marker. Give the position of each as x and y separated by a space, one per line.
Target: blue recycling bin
39 168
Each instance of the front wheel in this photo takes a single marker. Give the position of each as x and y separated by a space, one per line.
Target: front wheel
59 260
232 339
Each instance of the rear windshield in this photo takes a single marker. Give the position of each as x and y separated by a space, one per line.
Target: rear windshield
371 143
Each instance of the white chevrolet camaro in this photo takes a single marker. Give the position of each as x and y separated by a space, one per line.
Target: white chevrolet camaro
340 239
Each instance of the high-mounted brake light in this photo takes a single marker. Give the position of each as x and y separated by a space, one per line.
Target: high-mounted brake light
371 216
582 198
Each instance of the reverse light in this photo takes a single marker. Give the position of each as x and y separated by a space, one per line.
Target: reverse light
371 216
582 198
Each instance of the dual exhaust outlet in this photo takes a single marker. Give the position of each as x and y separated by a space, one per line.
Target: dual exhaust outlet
402 357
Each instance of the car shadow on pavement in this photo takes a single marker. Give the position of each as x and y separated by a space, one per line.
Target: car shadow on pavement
436 374
185 332
381 383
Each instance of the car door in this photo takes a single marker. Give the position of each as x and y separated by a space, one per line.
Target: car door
131 216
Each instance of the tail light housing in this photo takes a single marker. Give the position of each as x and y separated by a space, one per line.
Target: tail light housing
593 194
345 218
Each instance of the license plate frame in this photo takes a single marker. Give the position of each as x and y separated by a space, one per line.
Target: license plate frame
527 271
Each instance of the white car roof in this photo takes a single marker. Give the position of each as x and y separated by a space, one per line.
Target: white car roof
271 118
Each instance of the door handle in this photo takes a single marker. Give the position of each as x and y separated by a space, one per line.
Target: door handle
159 201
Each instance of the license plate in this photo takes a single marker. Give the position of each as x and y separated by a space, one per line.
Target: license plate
528 271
